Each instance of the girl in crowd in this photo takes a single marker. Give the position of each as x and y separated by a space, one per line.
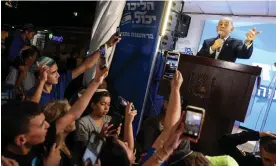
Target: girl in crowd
97 120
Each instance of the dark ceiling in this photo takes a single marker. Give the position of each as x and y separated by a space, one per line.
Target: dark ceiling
48 14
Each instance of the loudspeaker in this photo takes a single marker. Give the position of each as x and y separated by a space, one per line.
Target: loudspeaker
183 25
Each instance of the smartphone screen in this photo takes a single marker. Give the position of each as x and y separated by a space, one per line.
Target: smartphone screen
193 123
103 57
171 65
116 120
102 51
93 149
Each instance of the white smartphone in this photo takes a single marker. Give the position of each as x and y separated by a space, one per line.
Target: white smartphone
194 121
172 61
93 149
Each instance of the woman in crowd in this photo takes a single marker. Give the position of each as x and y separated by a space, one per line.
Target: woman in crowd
53 111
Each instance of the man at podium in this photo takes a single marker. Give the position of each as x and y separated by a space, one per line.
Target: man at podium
224 47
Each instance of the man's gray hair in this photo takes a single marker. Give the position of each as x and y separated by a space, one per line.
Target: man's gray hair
228 19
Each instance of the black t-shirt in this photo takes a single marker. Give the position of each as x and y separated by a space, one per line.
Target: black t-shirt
35 156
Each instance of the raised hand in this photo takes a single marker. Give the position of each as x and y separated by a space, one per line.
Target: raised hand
54 157
8 162
98 163
118 131
217 44
177 80
115 38
101 74
175 137
267 134
129 113
43 72
106 130
251 34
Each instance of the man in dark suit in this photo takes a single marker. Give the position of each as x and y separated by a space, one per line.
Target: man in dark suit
226 48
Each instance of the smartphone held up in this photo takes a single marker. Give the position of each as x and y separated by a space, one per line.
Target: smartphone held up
93 150
193 122
171 65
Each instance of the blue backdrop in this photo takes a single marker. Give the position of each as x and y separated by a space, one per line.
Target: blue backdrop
133 57
264 55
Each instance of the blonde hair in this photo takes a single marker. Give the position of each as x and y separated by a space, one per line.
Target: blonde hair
53 111
56 109
197 159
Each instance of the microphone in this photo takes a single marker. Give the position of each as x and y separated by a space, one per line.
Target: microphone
219 36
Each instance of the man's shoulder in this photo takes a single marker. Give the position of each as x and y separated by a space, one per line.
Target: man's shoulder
33 157
209 40
235 39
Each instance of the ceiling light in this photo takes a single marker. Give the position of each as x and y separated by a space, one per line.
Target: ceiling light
75 14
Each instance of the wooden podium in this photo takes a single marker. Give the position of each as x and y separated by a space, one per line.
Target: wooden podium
225 89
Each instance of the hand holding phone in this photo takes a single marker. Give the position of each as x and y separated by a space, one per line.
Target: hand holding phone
177 81
118 32
115 38
172 61
124 102
103 58
116 121
129 113
194 118
111 128
93 150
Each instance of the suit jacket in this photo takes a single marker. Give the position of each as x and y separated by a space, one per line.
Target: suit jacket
231 50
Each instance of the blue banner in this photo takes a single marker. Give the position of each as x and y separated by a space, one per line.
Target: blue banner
131 64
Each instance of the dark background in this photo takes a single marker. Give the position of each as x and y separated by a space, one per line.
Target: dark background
49 14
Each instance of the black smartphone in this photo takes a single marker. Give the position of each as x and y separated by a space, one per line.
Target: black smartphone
116 120
118 31
172 61
123 102
94 147
194 121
